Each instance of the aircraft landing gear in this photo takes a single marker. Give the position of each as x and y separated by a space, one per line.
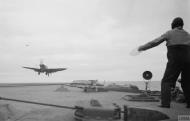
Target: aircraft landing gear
47 74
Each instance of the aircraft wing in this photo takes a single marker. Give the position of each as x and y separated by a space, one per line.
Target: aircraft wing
35 69
52 70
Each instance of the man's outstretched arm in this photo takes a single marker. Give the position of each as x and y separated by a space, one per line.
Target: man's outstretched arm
153 43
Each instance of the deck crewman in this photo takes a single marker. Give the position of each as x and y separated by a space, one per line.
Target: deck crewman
178 54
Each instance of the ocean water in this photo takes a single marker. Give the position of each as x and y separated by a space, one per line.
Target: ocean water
153 85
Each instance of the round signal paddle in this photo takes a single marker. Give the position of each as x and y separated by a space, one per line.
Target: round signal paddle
147 75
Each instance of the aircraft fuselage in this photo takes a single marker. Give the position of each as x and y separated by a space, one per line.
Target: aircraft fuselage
43 68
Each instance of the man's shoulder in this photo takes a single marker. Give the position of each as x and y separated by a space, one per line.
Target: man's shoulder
171 31
176 30
167 33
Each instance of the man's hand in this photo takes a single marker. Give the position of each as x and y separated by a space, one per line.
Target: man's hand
135 52
140 48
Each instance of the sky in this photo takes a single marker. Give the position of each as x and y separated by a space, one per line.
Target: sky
92 38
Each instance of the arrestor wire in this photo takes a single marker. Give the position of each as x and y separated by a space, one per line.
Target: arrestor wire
37 103
45 104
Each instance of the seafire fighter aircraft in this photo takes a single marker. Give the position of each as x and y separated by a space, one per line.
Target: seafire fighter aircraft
44 69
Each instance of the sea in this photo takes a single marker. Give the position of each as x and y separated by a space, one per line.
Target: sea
152 85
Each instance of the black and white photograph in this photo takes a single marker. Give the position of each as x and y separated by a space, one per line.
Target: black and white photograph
94 60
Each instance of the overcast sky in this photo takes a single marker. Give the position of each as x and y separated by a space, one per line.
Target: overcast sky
92 38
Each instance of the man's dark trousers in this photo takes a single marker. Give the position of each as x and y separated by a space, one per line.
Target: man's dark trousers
178 63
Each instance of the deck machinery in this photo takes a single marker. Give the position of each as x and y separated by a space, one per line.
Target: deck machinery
94 111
